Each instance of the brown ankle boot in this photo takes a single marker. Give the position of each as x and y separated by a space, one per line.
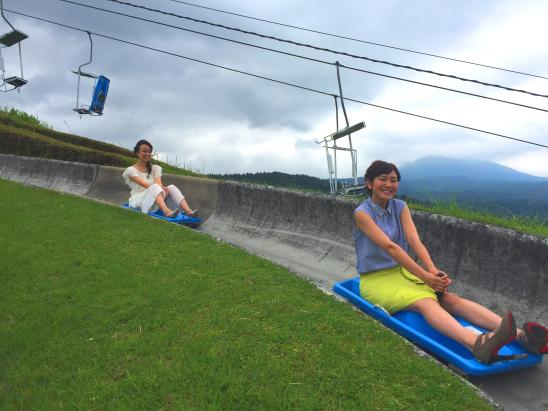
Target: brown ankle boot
488 344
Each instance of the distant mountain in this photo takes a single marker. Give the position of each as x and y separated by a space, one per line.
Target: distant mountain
481 185
438 167
476 184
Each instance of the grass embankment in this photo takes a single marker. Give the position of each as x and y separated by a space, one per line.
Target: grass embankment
24 135
101 308
528 225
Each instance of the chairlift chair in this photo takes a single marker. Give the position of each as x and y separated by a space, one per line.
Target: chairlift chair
7 40
330 144
100 89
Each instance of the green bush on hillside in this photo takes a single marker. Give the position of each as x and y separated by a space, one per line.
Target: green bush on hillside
14 115
27 143
25 135
34 125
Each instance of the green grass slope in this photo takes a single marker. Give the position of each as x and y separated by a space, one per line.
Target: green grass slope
102 308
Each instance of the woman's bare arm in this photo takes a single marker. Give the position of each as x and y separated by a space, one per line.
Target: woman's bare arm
158 180
366 224
414 240
139 180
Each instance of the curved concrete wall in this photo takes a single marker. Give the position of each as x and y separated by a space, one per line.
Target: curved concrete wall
64 176
312 234
503 268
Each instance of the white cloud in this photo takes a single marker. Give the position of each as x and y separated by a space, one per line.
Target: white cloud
225 122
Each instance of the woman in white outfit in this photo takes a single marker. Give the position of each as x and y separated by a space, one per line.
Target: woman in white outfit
145 181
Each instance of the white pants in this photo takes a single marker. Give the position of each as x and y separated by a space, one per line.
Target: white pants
146 200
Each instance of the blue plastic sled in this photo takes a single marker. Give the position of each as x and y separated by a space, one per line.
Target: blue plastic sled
413 327
179 219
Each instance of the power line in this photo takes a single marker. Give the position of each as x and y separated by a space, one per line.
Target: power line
326 49
304 57
275 80
358 40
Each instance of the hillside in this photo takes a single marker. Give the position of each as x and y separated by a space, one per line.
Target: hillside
24 135
478 185
278 179
444 167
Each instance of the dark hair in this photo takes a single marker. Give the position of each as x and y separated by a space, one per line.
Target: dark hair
136 151
377 168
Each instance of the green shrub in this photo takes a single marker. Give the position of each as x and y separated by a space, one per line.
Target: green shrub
14 115
27 143
35 127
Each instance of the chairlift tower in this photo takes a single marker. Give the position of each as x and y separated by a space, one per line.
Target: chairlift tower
9 39
330 144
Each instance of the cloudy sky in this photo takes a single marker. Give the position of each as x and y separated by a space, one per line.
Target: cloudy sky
217 121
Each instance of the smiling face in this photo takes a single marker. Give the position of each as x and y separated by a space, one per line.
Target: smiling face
383 187
144 153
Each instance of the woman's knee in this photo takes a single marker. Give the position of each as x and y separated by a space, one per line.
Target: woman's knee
175 193
450 301
156 189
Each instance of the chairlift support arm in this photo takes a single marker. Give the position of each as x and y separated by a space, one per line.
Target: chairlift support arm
80 73
3 16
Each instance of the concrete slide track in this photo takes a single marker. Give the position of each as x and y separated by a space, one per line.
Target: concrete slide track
312 236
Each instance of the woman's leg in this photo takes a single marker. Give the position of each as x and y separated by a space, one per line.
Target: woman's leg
471 311
178 198
479 315
163 206
152 195
155 195
444 322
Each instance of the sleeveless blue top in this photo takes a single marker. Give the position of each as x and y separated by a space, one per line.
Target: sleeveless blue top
369 256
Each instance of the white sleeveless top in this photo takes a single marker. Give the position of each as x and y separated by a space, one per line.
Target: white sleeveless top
131 171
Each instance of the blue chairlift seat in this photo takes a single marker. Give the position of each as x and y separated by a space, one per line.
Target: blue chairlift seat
99 95
179 219
414 327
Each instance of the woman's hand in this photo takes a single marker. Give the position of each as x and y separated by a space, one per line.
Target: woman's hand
439 281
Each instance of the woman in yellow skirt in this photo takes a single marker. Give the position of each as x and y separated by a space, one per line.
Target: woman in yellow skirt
391 279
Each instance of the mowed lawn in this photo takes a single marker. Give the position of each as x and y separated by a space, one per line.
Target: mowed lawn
102 308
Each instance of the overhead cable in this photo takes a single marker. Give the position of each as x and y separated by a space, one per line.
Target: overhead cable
277 81
325 49
306 58
357 40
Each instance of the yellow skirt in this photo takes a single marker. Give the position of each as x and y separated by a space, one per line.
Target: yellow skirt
394 288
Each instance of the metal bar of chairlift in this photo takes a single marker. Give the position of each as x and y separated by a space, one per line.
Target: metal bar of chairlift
79 109
346 131
335 143
16 81
84 74
354 160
